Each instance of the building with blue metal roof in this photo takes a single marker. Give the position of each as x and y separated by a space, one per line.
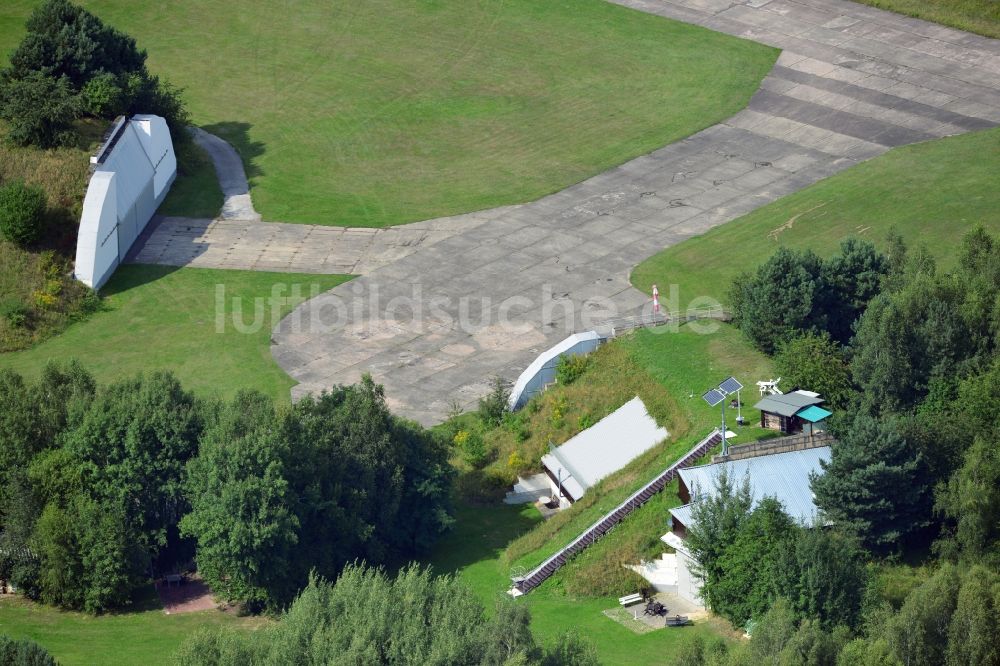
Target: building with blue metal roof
784 476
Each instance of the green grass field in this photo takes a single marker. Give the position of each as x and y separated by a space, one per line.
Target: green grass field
931 193
388 111
196 191
161 317
980 16
140 638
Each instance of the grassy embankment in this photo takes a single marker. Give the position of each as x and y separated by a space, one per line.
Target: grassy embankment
388 111
664 368
34 281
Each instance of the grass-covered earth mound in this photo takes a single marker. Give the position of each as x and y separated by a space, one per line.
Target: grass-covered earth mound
38 296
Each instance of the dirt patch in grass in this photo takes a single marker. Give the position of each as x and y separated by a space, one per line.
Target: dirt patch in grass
624 617
190 596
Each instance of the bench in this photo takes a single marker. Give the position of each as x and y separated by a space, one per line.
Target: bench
173 579
630 599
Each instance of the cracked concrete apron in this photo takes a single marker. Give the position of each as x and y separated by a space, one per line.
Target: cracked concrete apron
851 83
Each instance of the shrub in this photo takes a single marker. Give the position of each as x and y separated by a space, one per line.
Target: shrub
40 111
493 406
517 424
44 300
23 653
90 302
816 362
473 448
14 311
22 208
146 93
516 462
558 416
569 368
103 96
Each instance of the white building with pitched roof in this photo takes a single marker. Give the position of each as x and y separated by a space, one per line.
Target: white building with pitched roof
601 450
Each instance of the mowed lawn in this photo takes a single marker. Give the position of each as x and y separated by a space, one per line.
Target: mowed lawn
981 16
931 193
158 317
388 111
140 638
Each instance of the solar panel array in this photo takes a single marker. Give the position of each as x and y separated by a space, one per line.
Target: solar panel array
730 385
713 397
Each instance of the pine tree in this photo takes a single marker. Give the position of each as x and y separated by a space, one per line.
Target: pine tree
873 484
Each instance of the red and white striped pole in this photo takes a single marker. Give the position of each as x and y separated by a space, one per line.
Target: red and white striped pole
656 300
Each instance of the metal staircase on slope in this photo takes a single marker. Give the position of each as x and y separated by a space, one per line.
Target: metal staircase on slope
534 578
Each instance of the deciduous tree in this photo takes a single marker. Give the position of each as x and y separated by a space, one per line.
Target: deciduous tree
367 617
918 634
750 566
815 362
974 628
241 513
717 519
823 576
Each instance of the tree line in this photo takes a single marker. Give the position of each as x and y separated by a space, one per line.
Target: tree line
106 487
949 619
908 355
911 380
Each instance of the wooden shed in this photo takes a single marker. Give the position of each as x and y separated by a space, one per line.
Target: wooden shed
781 411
